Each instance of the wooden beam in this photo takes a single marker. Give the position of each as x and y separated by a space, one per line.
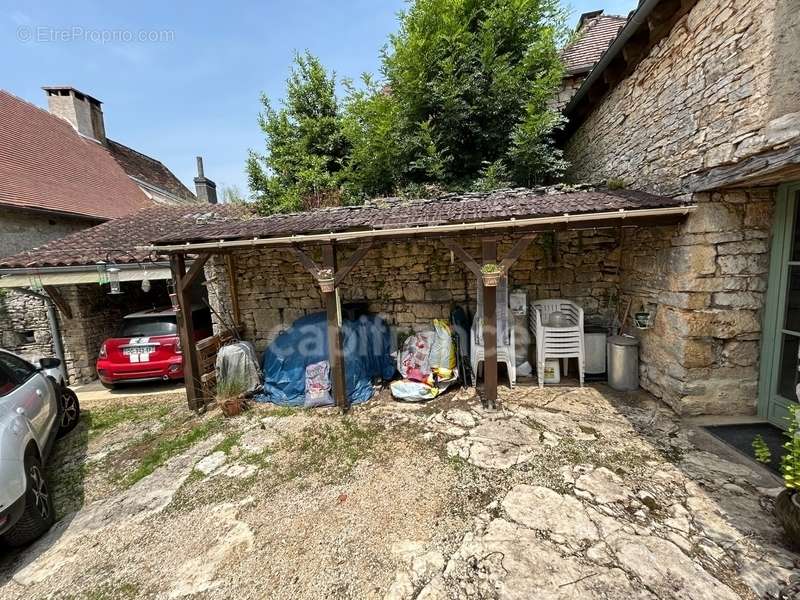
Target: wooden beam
191 364
233 288
306 260
194 272
516 251
489 253
470 262
58 300
351 262
335 354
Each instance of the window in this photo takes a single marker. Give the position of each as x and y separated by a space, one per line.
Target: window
18 370
7 384
29 336
149 326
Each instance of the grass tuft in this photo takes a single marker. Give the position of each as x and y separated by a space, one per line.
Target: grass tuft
166 448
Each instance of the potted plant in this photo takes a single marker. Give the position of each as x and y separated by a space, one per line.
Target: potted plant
643 319
491 274
230 397
787 505
326 280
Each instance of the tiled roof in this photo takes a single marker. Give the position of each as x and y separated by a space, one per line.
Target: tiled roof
120 236
593 39
474 207
147 169
46 165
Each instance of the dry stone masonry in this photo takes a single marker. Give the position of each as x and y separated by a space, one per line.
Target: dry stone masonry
719 88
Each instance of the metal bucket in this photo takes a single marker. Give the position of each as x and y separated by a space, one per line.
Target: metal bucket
623 363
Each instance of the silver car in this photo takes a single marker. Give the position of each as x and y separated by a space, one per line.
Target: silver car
35 408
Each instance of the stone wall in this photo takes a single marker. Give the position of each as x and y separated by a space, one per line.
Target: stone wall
23 230
708 279
23 325
710 93
412 283
716 90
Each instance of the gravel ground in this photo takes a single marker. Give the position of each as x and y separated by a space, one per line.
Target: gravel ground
574 490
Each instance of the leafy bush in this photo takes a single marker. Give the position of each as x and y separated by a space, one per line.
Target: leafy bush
761 450
790 461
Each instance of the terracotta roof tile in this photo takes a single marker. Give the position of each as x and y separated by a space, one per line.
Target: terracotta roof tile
120 236
46 165
475 207
592 41
147 169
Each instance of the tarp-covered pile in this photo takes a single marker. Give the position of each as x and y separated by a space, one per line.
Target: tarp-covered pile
237 366
290 363
427 363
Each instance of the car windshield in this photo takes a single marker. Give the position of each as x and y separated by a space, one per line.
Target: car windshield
148 326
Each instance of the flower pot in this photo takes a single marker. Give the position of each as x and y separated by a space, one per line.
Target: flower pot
327 285
231 407
491 279
787 510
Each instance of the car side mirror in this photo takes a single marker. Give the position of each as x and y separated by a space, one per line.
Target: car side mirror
49 363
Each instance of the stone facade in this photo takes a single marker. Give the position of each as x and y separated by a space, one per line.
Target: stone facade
23 325
713 92
23 320
22 230
716 90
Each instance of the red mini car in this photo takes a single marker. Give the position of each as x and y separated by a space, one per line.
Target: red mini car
147 347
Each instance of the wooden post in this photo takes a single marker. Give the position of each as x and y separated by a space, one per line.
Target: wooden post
233 289
335 353
191 363
489 251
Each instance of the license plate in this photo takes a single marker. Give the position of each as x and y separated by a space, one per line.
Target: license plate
138 350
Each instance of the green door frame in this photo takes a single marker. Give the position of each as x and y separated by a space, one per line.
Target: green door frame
771 405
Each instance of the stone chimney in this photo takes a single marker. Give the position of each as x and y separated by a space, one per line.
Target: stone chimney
82 111
205 189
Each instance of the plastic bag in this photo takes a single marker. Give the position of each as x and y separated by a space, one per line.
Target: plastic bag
443 351
318 385
413 391
413 360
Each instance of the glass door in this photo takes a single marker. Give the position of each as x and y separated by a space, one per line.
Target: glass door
780 358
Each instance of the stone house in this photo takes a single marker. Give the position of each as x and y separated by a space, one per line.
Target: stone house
701 100
693 100
592 36
60 174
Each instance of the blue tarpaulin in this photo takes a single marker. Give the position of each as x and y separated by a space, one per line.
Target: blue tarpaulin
366 343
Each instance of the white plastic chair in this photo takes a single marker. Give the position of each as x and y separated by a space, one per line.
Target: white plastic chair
557 342
505 334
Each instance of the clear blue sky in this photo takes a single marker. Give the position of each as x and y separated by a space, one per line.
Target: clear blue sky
196 92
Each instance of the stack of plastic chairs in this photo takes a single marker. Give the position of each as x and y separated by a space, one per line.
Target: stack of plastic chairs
557 342
505 334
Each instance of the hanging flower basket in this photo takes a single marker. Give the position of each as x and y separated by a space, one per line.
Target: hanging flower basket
643 320
327 285
491 279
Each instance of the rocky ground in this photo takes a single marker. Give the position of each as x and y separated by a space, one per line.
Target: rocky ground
563 493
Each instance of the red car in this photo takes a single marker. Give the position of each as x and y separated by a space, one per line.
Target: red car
147 347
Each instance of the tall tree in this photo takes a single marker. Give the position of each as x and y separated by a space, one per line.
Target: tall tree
305 147
467 91
464 101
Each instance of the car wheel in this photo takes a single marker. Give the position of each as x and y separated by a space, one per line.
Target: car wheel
70 411
108 386
38 515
